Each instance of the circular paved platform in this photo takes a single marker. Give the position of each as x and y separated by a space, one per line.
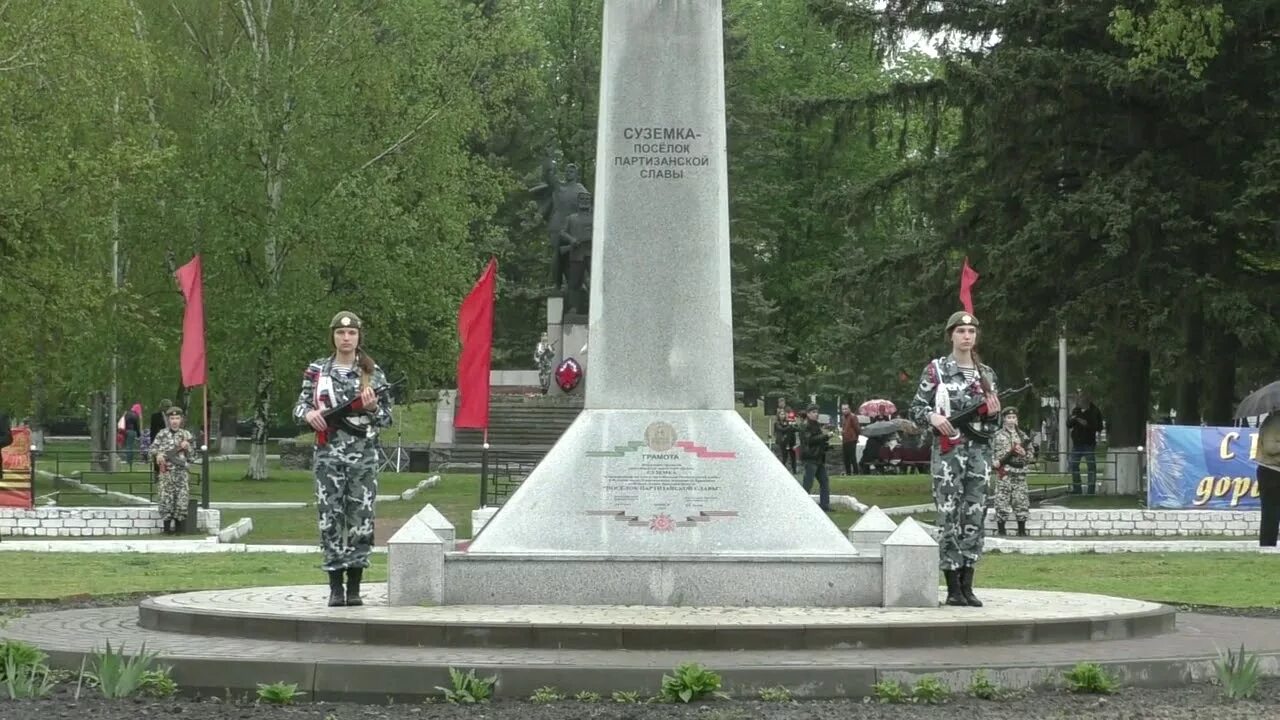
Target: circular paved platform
300 614
376 673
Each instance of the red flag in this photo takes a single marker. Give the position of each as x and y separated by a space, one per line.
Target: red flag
195 370
968 276
475 329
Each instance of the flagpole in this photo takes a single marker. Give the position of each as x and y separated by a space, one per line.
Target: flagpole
204 458
484 468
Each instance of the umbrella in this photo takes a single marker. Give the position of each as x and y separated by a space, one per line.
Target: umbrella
1260 402
877 407
887 427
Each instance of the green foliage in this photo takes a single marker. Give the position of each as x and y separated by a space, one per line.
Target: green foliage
931 691
20 655
625 697
586 696
27 681
544 695
1237 674
467 688
775 694
158 683
1090 678
278 693
1174 29
118 675
891 691
982 688
689 682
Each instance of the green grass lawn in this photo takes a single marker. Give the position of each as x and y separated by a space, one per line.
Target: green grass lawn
1224 579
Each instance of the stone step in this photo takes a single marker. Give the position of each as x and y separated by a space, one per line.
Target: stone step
337 670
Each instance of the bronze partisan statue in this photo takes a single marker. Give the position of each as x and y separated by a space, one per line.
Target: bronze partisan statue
557 200
575 255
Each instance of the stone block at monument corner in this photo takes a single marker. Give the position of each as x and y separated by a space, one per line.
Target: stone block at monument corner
910 558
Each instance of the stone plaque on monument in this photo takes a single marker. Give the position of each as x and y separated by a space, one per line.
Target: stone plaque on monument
659 465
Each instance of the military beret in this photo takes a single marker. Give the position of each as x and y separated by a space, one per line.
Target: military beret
961 318
345 319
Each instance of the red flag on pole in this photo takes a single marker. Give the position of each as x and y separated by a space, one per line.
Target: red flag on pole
475 329
968 277
195 370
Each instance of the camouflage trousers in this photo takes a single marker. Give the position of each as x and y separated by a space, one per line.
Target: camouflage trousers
960 494
174 494
1011 495
346 488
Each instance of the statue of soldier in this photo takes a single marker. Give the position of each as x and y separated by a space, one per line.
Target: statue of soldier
557 201
575 253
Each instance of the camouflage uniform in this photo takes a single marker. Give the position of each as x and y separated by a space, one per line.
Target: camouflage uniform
175 479
1011 481
346 467
960 475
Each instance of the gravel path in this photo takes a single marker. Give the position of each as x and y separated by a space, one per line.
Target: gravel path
1198 702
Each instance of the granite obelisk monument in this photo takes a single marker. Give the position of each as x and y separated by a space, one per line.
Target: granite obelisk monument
660 493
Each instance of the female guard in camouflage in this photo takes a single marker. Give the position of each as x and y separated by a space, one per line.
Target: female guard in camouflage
960 464
346 457
171 454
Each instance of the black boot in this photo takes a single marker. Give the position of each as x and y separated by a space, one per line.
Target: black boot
168 527
1000 528
954 597
966 587
335 589
353 586
1022 528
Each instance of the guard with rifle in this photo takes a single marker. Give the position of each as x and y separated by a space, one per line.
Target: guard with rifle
344 399
171 454
814 444
1012 450
956 395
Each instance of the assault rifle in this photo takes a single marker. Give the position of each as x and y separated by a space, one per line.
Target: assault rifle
340 417
970 423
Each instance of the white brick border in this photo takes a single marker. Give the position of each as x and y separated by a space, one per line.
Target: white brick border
94 521
1068 522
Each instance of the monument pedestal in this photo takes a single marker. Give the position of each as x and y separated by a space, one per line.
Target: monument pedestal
569 333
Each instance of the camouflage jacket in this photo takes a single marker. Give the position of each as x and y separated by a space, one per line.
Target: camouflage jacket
166 445
960 392
1002 448
326 386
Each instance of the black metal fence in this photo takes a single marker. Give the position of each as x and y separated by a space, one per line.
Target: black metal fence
79 478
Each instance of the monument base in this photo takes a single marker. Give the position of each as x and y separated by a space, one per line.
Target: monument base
719 581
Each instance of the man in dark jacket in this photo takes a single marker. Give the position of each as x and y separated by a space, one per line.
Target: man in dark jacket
814 443
1085 424
6 437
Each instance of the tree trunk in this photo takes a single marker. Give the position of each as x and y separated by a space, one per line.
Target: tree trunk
1127 422
227 428
261 416
98 429
1222 378
1191 374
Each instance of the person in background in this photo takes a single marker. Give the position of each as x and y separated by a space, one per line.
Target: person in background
132 431
1268 460
1085 423
172 453
1011 451
849 431
157 419
784 436
814 443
